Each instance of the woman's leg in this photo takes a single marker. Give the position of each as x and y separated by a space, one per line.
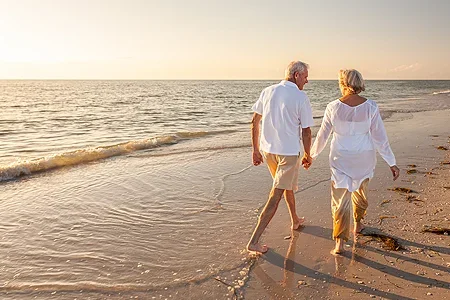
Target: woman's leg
341 212
360 204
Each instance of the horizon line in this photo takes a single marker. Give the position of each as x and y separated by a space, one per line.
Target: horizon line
199 79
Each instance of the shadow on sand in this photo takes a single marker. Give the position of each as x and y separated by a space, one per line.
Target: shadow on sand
291 267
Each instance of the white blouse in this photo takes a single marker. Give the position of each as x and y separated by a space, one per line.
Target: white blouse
358 131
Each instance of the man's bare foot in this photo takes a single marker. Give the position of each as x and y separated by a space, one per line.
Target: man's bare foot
339 248
298 223
257 248
358 227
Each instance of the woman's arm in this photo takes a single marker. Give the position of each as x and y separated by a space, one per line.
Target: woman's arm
322 136
380 139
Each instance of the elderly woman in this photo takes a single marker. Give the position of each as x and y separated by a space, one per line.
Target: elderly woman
358 132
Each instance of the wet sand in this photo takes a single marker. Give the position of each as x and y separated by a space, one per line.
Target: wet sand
302 267
197 252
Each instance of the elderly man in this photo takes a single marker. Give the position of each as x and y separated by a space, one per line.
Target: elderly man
285 111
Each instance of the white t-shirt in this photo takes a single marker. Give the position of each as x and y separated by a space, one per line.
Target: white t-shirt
285 110
358 131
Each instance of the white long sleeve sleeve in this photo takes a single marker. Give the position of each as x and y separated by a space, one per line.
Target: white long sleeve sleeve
322 135
380 139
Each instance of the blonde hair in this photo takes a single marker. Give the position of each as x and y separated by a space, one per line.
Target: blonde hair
295 66
351 81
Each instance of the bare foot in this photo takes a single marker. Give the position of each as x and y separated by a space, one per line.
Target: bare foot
339 248
336 252
298 223
257 248
358 227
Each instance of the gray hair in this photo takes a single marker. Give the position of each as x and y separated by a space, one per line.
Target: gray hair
295 66
351 80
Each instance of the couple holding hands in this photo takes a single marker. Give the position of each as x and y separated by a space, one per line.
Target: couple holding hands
283 116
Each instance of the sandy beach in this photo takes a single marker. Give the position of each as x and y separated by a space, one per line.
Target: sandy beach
301 267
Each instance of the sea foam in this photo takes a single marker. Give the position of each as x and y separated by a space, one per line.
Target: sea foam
442 92
28 167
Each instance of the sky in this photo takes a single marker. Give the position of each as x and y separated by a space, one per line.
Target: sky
232 39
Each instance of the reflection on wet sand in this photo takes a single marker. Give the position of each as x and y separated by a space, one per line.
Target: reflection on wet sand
340 266
342 262
271 287
289 266
285 288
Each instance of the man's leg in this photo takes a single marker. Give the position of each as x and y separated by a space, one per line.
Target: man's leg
290 201
266 215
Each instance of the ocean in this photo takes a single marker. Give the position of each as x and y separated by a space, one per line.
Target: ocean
119 189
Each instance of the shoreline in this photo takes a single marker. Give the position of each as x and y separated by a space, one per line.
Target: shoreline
302 267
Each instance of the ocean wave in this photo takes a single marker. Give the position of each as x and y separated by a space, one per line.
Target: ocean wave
80 156
442 92
228 97
149 95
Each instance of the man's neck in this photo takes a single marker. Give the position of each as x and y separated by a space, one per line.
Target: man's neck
293 81
290 79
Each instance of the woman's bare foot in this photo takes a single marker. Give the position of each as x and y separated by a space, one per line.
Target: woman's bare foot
336 252
358 227
257 248
339 248
298 223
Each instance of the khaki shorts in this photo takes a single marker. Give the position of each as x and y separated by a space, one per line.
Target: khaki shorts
284 170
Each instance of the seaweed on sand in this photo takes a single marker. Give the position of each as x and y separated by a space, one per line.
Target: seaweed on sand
436 230
402 190
385 201
386 217
388 241
411 198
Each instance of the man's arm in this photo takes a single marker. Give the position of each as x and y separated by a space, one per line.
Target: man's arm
256 155
307 138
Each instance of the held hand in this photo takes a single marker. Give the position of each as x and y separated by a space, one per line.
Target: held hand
306 161
395 172
257 158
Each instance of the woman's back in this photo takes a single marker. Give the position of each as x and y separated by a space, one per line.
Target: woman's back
351 120
357 132
351 125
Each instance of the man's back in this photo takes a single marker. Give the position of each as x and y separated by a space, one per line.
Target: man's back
284 109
